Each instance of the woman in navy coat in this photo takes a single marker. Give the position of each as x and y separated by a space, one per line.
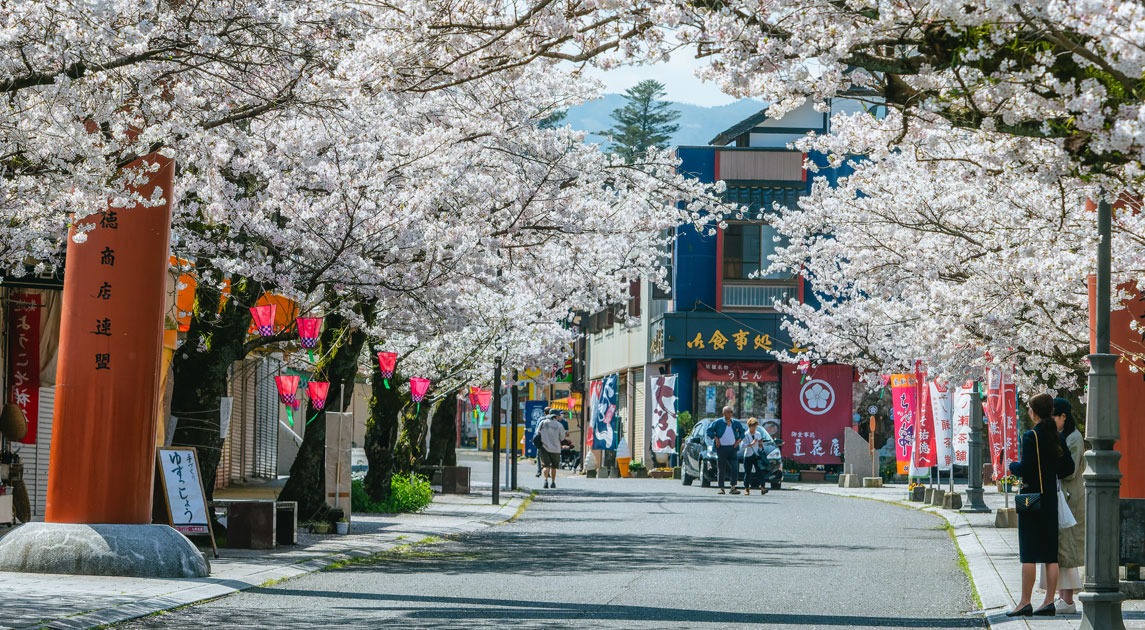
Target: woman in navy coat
1045 459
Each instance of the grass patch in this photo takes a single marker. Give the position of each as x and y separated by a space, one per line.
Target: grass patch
408 493
965 566
408 550
524 504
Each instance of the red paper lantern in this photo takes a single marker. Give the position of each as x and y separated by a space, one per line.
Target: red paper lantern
308 330
287 388
484 397
263 317
417 388
316 391
386 363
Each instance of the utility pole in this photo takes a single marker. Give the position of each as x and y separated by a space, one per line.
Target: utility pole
1101 598
496 424
974 500
513 417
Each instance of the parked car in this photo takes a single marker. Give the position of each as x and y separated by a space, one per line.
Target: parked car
699 457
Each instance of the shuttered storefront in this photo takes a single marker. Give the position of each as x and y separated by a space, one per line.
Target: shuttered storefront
639 441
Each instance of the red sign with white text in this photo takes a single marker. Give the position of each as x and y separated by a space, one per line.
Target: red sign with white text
742 371
24 359
815 410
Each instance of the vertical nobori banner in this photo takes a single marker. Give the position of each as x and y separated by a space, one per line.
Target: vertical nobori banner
961 411
664 414
111 338
605 436
1001 412
924 447
24 360
903 406
941 410
534 413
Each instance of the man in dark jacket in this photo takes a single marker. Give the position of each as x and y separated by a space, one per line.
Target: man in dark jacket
727 435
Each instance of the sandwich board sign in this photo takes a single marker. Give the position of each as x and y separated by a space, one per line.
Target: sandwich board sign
183 493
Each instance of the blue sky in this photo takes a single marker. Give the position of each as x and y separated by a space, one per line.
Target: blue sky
677 75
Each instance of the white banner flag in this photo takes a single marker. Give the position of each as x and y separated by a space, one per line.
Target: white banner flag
961 410
664 414
942 412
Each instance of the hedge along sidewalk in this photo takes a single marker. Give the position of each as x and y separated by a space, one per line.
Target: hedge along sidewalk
991 557
84 601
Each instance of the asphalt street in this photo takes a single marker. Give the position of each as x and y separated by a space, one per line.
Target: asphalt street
625 553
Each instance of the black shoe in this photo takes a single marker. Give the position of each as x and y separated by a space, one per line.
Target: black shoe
1024 611
1049 610
554 483
546 485
538 474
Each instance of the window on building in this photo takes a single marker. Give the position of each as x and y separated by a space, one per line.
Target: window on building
747 247
746 251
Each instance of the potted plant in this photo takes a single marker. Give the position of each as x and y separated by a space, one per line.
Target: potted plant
320 527
638 470
1009 483
342 526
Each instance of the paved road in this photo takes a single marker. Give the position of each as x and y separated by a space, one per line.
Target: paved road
625 553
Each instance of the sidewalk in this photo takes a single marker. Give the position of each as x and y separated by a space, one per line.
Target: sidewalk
66 601
991 555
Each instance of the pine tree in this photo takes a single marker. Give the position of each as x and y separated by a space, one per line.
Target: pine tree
644 121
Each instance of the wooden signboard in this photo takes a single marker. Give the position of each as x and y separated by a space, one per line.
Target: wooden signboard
182 489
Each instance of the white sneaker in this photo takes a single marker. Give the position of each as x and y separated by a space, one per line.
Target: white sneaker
1063 608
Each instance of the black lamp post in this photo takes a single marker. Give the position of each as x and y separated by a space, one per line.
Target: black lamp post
1101 598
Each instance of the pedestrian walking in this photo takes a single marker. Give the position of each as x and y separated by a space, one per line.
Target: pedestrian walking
727 435
552 432
1071 541
752 452
1044 459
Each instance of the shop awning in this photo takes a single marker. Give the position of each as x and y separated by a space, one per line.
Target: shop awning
572 403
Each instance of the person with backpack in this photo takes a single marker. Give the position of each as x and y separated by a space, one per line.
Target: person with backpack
547 439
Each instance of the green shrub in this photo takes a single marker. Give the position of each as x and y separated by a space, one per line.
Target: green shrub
408 493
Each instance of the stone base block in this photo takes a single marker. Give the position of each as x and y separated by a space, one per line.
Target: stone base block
917 495
850 481
872 482
120 550
1006 518
1133 589
952 501
936 496
928 495
590 473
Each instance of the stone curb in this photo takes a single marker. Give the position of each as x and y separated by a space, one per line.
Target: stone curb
365 545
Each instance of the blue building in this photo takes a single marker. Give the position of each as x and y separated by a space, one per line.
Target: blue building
717 328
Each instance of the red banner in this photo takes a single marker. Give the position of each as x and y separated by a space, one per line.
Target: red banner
925 454
904 404
741 371
815 411
24 359
1001 411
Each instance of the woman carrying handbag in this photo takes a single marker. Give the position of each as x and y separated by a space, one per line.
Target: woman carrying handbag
1044 459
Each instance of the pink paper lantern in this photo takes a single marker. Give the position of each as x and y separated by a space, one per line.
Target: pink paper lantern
484 397
308 330
263 317
418 387
287 393
316 391
386 363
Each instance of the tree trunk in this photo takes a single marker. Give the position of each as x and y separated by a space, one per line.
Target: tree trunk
214 342
443 437
307 482
382 436
411 439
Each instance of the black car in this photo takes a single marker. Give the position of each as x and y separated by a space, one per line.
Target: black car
699 458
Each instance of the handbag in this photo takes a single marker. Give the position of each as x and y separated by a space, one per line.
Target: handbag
1065 515
1032 501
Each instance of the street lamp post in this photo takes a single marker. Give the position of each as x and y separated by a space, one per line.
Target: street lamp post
974 500
496 424
1101 598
